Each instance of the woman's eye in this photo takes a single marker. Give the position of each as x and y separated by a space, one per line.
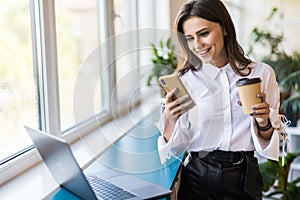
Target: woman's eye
203 34
189 39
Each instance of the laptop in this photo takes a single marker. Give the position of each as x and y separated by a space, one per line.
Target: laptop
59 159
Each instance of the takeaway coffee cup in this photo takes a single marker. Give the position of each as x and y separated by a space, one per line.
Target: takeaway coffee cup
248 89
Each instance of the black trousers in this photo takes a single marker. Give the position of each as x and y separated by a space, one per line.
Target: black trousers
221 175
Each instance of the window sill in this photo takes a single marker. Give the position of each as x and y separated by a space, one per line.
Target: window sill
38 183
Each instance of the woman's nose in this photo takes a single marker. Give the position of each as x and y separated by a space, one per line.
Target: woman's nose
198 43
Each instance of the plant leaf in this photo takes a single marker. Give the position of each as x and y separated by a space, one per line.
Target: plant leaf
168 43
161 44
292 81
268 171
164 60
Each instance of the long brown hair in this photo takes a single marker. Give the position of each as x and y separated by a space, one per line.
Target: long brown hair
215 11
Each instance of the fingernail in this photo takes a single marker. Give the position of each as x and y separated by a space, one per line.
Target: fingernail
175 90
187 96
258 95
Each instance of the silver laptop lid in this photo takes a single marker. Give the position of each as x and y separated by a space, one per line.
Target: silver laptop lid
60 161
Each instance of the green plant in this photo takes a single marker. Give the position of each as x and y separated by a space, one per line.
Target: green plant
164 60
291 85
267 39
273 171
286 67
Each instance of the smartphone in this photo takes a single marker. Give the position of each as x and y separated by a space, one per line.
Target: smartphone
169 82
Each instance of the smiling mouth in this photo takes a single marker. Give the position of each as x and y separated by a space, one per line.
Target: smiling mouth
203 52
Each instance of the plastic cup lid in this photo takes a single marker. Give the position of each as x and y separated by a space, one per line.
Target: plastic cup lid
247 81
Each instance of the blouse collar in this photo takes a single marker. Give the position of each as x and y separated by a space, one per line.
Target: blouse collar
212 71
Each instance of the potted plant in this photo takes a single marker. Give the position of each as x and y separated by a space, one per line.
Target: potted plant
286 67
275 178
164 60
291 86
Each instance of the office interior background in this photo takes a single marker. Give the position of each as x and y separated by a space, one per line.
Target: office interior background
47 48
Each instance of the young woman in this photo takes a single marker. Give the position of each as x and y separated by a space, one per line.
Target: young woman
210 124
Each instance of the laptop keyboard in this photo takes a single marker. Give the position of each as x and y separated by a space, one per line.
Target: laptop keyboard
108 191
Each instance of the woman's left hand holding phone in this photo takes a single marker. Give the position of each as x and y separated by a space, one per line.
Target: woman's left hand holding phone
174 108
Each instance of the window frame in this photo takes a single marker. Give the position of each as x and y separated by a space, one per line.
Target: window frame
44 47
43 31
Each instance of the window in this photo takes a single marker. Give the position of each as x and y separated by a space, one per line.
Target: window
136 25
77 30
69 63
126 60
30 78
18 94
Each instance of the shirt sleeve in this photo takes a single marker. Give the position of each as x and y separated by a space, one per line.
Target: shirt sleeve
179 140
269 149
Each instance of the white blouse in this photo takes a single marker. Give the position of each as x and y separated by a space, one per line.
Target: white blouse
217 121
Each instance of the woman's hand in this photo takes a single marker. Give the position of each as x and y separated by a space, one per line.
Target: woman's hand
174 108
261 111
